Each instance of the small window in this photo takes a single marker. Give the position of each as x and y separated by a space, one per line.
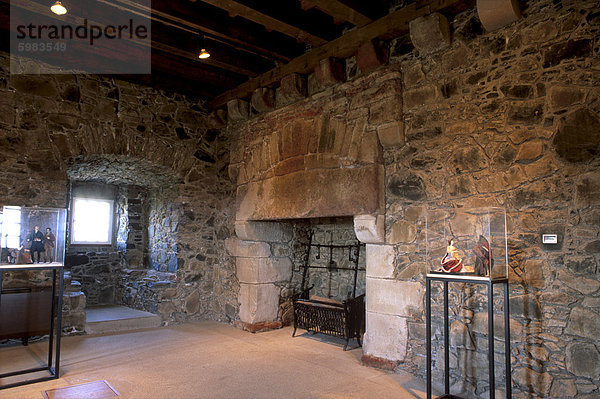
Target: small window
11 227
92 221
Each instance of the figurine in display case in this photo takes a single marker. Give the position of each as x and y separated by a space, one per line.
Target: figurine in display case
49 243
22 239
470 235
37 244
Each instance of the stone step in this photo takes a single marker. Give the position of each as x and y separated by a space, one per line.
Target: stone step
111 318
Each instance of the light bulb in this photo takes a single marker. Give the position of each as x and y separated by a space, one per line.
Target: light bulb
203 54
58 8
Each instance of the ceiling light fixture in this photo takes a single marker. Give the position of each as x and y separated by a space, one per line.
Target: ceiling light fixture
201 43
203 54
58 8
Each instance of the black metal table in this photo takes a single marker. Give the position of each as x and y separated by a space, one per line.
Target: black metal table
447 278
53 363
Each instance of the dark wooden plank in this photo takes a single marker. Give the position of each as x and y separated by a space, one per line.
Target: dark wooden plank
201 17
238 9
339 10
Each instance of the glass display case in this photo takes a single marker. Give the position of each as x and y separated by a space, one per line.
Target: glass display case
32 235
469 242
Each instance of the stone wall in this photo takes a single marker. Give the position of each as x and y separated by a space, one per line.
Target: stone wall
120 133
507 118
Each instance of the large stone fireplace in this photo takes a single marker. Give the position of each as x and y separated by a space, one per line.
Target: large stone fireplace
322 160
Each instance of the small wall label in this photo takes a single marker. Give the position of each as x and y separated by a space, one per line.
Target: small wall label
549 239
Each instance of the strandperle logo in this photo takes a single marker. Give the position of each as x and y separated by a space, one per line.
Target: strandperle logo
93 37
91 32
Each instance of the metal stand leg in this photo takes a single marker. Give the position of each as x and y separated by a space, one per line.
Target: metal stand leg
446 343
491 339
428 333
52 313
61 278
507 341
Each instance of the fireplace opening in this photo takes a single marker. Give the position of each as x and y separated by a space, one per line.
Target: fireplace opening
326 257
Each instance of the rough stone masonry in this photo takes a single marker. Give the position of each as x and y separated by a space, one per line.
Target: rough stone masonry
505 118
161 152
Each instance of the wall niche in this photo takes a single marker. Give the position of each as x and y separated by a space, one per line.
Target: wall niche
143 248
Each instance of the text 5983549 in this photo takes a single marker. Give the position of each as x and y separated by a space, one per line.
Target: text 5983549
42 47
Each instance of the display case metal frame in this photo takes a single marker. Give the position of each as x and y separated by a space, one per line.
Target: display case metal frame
53 362
446 279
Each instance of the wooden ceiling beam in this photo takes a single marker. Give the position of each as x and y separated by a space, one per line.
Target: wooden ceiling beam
237 9
184 16
390 26
339 10
208 61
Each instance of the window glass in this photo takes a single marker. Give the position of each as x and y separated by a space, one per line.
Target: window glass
11 227
91 221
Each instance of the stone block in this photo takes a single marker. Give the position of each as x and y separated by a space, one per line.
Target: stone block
413 74
578 136
480 325
378 362
530 151
430 33
36 86
556 53
370 150
587 190
218 118
460 337
526 377
330 71
385 336
402 232
380 261
584 323
526 305
563 388
263 99
525 113
263 270
289 165
385 111
237 110
192 302
391 134
561 97
370 229
293 139
313 193
586 286
583 360
263 231
258 302
371 55
420 96
517 91
247 249
293 88
393 297
494 14
533 273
